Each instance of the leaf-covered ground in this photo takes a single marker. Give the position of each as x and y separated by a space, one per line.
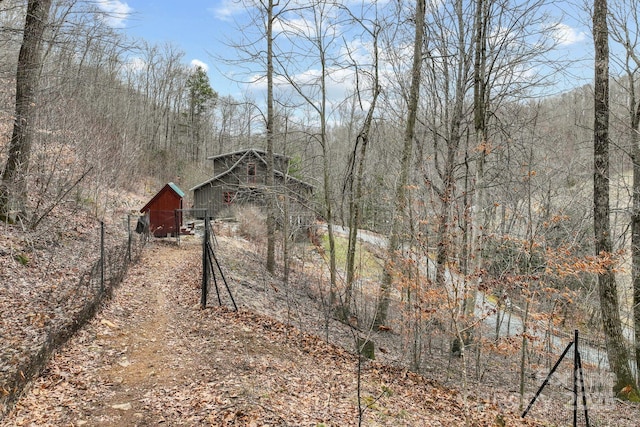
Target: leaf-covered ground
152 356
46 285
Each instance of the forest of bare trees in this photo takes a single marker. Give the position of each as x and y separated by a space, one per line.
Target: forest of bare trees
450 141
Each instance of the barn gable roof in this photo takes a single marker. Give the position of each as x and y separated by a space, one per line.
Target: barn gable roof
168 187
260 154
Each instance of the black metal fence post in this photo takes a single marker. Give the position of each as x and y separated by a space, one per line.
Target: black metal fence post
101 257
129 238
584 394
176 224
577 375
575 378
205 263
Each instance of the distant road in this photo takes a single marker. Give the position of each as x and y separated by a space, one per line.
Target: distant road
510 322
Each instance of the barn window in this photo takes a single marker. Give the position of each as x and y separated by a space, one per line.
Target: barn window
251 173
228 197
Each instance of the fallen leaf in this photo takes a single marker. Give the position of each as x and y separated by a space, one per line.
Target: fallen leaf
109 324
122 406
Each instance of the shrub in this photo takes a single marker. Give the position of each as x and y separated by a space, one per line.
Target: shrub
252 223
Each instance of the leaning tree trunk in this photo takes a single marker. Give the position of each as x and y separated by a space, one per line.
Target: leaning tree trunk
13 189
399 216
362 141
616 350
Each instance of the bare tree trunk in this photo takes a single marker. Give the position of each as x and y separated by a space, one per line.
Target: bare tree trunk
326 181
329 217
635 243
320 106
444 238
634 110
399 216
480 100
624 19
616 350
13 189
635 221
271 221
362 140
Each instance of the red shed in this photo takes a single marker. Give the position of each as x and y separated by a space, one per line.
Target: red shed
162 211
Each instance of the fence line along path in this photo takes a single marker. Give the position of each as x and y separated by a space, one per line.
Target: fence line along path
140 345
152 356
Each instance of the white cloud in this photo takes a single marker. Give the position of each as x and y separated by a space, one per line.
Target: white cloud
197 63
116 12
297 26
227 10
566 35
136 64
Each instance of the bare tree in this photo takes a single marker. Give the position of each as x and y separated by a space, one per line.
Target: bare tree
356 167
312 42
625 19
269 8
13 189
401 202
253 53
609 306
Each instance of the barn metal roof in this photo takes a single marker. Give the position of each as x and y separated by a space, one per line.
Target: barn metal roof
256 151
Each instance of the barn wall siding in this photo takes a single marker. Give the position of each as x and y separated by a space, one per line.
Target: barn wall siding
231 172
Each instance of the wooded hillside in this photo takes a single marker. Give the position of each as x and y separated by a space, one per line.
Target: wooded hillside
476 175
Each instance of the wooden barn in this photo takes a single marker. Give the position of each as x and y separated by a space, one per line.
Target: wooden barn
163 218
240 178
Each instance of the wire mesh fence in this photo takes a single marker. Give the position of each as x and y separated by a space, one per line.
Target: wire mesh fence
80 301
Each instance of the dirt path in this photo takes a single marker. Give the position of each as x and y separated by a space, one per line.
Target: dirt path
153 357
136 347
150 344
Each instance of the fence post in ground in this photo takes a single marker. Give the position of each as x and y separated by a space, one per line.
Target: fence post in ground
176 224
129 238
205 264
575 377
578 375
101 257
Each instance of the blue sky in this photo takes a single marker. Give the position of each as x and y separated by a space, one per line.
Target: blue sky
196 27
200 27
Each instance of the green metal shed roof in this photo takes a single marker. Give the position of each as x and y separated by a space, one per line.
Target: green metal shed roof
175 188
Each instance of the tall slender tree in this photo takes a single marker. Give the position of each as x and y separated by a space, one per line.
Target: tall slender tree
13 189
607 289
201 95
314 41
624 16
400 215
271 220
355 174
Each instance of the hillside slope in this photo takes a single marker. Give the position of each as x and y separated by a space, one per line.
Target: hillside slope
152 355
